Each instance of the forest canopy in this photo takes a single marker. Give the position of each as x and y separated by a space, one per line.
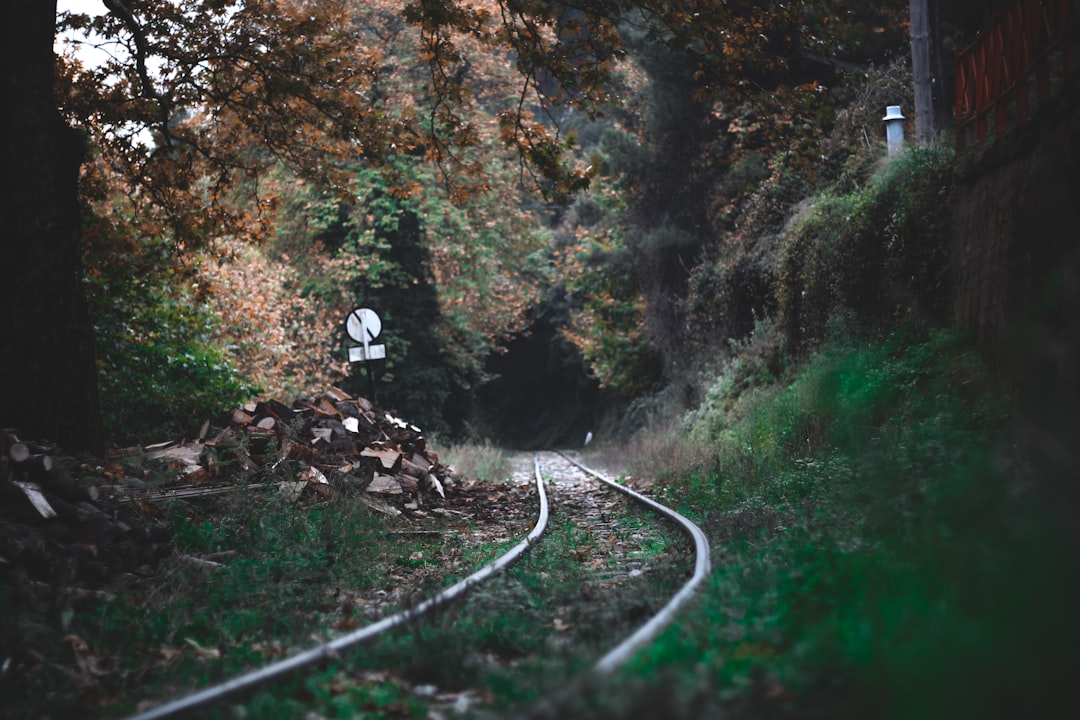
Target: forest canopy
369 146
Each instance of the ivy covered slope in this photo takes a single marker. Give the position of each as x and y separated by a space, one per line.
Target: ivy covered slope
881 548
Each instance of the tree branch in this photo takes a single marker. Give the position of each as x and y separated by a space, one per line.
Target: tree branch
122 12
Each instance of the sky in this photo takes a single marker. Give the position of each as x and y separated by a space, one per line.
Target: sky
89 7
89 56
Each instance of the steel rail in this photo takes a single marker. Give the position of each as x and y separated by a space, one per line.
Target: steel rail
619 655
331 650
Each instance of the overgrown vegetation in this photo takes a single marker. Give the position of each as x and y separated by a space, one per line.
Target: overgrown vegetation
882 548
289 573
161 367
879 251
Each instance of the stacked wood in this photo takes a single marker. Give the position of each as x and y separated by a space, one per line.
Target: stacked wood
56 528
324 446
70 533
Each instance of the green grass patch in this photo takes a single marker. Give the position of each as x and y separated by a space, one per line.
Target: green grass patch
880 550
517 638
299 572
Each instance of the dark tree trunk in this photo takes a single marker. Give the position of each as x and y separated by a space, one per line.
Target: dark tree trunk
48 378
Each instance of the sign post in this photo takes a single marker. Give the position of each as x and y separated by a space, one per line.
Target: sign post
364 326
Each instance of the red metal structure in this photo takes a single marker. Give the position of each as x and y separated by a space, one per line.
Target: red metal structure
1028 41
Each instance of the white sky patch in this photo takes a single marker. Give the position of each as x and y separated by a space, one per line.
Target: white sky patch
90 49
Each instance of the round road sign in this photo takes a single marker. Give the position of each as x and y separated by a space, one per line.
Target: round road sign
363 325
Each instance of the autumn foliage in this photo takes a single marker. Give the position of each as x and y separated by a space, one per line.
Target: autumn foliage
276 162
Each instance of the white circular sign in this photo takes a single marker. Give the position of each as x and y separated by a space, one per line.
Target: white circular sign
363 325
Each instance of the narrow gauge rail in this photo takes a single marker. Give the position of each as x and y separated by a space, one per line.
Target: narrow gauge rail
610 662
330 650
620 654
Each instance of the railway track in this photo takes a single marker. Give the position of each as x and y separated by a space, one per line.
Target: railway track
608 663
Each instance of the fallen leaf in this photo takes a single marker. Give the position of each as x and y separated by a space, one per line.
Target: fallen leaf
268 649
203 653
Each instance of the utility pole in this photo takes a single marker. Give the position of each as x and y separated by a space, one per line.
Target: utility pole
921 73
927 70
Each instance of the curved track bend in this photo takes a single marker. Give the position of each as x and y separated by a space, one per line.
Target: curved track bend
610 662
271 673
620 654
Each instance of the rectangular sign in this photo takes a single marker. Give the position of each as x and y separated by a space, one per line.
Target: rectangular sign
374 352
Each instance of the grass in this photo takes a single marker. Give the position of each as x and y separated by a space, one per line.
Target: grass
517 638
880 550
478 460
303 572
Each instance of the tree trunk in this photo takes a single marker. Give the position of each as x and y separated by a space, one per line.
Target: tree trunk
921 72
48 377
928 70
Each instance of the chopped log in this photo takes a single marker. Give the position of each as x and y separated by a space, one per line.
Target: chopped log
267 423
412 469
365 468
384 485
338 395
408 484
261 438
328 409
179 455
380 507
37 466
277 410
198 562
66 487
391 459
17 507
241 417
355 483
294 450
433 483
195 474
37 499
313 475
18 452
224 438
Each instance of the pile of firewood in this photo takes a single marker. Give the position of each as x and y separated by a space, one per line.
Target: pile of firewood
55 529
327 446
70 523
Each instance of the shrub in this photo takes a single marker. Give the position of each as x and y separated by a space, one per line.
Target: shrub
880 252
160 370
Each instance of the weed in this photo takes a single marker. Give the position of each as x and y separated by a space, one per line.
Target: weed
480 460
875 552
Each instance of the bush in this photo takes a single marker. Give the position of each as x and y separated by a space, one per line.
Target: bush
160 371
880 252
